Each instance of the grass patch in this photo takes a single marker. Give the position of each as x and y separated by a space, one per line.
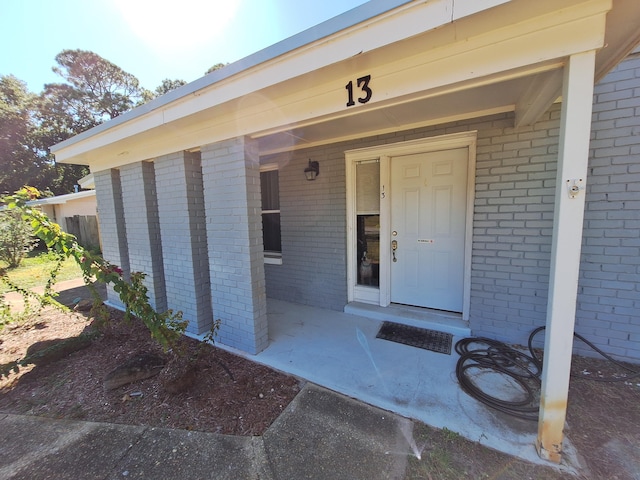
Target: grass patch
449 456
34 271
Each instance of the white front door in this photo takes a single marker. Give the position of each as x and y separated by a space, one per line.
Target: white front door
428 218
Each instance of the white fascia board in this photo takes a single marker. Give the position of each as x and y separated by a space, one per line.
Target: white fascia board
88 181
491 47
341 22
62 199
464 9
511 52
365 28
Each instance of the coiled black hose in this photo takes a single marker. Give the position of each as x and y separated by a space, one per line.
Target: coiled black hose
521 372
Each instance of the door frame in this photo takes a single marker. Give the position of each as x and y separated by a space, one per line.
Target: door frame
384 153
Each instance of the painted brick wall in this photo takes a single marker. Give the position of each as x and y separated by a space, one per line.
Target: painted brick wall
313 217
231 179
143 228
512 226
112 226
313 229
184 238
512 223
609 289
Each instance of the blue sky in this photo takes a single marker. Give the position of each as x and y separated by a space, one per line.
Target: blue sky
151 39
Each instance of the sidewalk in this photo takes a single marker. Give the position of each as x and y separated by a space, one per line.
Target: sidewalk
321 435
68 290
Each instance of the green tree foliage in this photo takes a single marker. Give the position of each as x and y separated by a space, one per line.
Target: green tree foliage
16 238
167 85
95 91
103 89
217 66
29 125
19 156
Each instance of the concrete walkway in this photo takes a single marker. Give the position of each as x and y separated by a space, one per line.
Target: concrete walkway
340 351
321 435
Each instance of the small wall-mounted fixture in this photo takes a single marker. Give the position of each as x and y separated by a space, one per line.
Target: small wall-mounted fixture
312 171
574 187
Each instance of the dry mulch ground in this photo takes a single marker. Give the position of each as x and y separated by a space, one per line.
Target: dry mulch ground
233 395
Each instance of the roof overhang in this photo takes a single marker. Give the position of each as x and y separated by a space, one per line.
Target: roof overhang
429 62
87 182
62 199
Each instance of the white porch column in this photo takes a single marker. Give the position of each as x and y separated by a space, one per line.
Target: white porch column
573 154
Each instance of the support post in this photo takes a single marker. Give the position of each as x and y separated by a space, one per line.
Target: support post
573 155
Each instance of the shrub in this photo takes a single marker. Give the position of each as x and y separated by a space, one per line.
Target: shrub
16 238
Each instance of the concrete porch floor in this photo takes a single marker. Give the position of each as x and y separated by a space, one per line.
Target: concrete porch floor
340 351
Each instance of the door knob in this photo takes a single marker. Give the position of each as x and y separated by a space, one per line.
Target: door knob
394 245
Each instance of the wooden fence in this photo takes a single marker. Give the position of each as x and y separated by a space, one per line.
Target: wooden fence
85 228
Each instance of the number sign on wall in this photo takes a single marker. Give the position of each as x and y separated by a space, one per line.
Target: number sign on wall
362 83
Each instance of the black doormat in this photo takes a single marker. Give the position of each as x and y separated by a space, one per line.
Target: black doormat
416 337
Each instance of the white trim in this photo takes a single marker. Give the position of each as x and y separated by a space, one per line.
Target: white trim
383 131
385 227
271 258
269 167
384 153
415 51
62 199
350 180
564 272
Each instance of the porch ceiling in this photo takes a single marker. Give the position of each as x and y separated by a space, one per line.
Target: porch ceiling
413 113
507 58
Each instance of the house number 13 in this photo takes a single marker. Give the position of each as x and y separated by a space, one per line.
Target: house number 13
363 84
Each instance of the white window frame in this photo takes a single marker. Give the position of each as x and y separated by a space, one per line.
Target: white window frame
271 258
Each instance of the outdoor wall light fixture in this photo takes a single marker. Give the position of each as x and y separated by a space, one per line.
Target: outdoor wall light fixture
312 171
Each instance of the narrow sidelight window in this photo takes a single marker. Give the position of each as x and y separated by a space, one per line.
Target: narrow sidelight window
368 223
271 214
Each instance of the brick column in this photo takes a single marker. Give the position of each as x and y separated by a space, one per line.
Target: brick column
143 228
112 226
184 238
231 175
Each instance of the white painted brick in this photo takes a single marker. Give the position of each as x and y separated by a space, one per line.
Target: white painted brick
112 225
181 216
143 228
234 223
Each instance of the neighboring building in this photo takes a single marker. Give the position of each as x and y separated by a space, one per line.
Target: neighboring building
440 151
76 213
